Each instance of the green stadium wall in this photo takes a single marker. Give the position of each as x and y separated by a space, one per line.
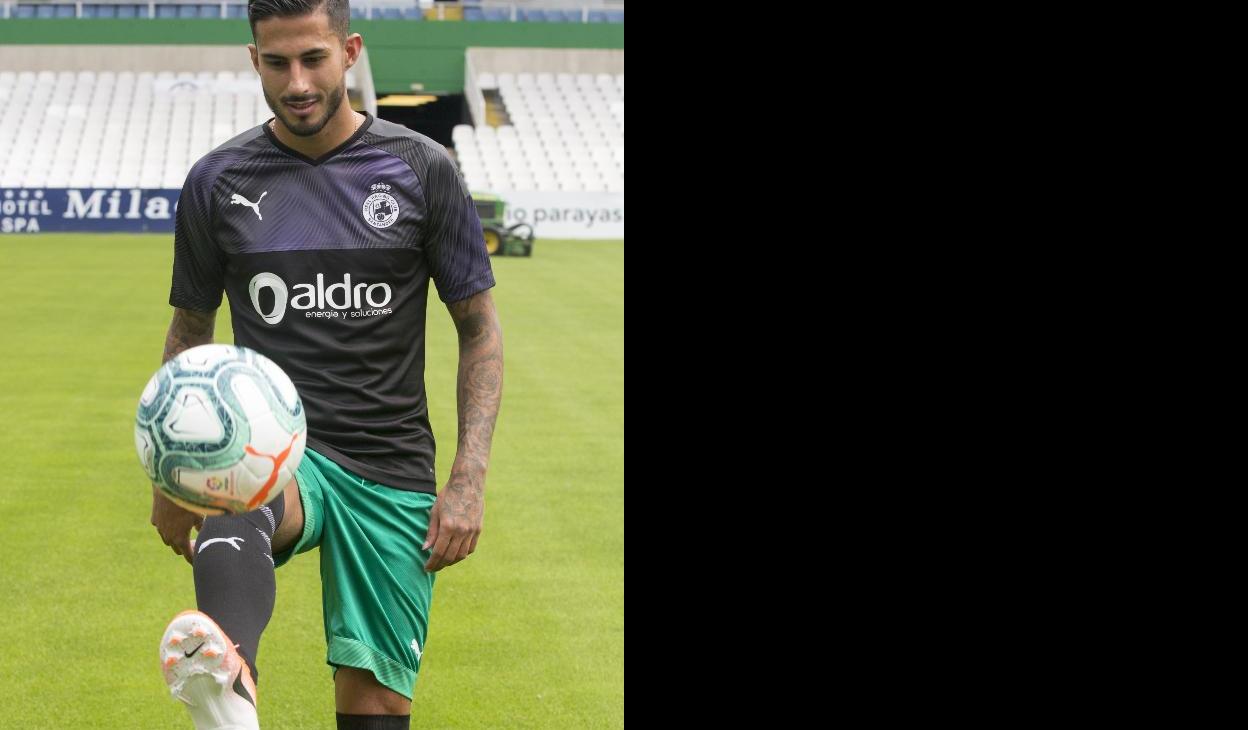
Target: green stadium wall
401 53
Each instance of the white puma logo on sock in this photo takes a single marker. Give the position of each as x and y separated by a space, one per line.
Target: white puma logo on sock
229 540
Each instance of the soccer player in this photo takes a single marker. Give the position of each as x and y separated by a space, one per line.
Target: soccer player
324 227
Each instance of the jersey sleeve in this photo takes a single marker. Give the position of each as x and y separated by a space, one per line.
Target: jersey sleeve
454 244
198 263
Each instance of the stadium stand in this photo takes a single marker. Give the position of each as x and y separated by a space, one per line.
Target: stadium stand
125 130
566 134
541 11
548 132
538 11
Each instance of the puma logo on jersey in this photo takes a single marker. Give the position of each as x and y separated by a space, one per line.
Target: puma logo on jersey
240 200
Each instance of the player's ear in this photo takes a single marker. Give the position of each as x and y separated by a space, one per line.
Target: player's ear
255 56
355 43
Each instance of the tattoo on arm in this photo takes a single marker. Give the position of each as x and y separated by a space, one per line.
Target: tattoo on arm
480 386
188 329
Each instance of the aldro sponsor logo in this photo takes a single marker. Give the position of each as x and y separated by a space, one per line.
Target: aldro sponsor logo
344 300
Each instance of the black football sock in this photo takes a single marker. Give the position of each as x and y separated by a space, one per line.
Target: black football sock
373 722
234 581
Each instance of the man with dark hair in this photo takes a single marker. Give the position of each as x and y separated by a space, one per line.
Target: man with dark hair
330 280
338 12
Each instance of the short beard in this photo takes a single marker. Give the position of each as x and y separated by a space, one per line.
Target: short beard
333 100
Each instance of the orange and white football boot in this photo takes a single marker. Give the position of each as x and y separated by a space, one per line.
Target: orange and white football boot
205 671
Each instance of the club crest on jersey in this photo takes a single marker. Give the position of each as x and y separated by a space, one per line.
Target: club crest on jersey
381 210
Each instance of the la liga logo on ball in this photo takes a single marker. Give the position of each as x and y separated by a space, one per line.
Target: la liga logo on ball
220 429
381 210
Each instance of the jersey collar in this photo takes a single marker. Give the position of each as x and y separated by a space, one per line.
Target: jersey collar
368 122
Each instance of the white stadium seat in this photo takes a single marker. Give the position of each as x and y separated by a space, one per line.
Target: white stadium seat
104 129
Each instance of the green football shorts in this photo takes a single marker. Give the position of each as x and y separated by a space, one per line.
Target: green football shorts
374 588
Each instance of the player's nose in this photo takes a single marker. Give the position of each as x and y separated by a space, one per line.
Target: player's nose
300 86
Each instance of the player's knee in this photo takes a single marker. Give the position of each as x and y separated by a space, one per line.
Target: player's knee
357 691
291 526
222 527
230 542
373 722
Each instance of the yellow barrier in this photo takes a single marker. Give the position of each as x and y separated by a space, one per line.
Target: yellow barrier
444 12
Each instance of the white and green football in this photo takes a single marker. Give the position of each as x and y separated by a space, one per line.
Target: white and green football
220 429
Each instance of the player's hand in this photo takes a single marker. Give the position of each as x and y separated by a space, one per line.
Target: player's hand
174 524
454 523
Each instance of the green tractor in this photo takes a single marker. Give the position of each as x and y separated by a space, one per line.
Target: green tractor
500 239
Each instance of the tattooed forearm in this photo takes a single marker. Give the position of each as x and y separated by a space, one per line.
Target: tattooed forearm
188 329
480 389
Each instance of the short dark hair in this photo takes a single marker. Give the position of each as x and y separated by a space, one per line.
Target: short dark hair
339 12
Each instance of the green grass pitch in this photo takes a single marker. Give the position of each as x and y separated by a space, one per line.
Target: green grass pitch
527 633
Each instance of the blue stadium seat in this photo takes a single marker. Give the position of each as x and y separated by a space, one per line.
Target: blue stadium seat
390 14
144 11
615 16
472 14
24 11
531 16
66 11
44 11
209 11
497 15
103 11
124 11
413 13
357 13
90 11
188 11
237 11
597 16
164 12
